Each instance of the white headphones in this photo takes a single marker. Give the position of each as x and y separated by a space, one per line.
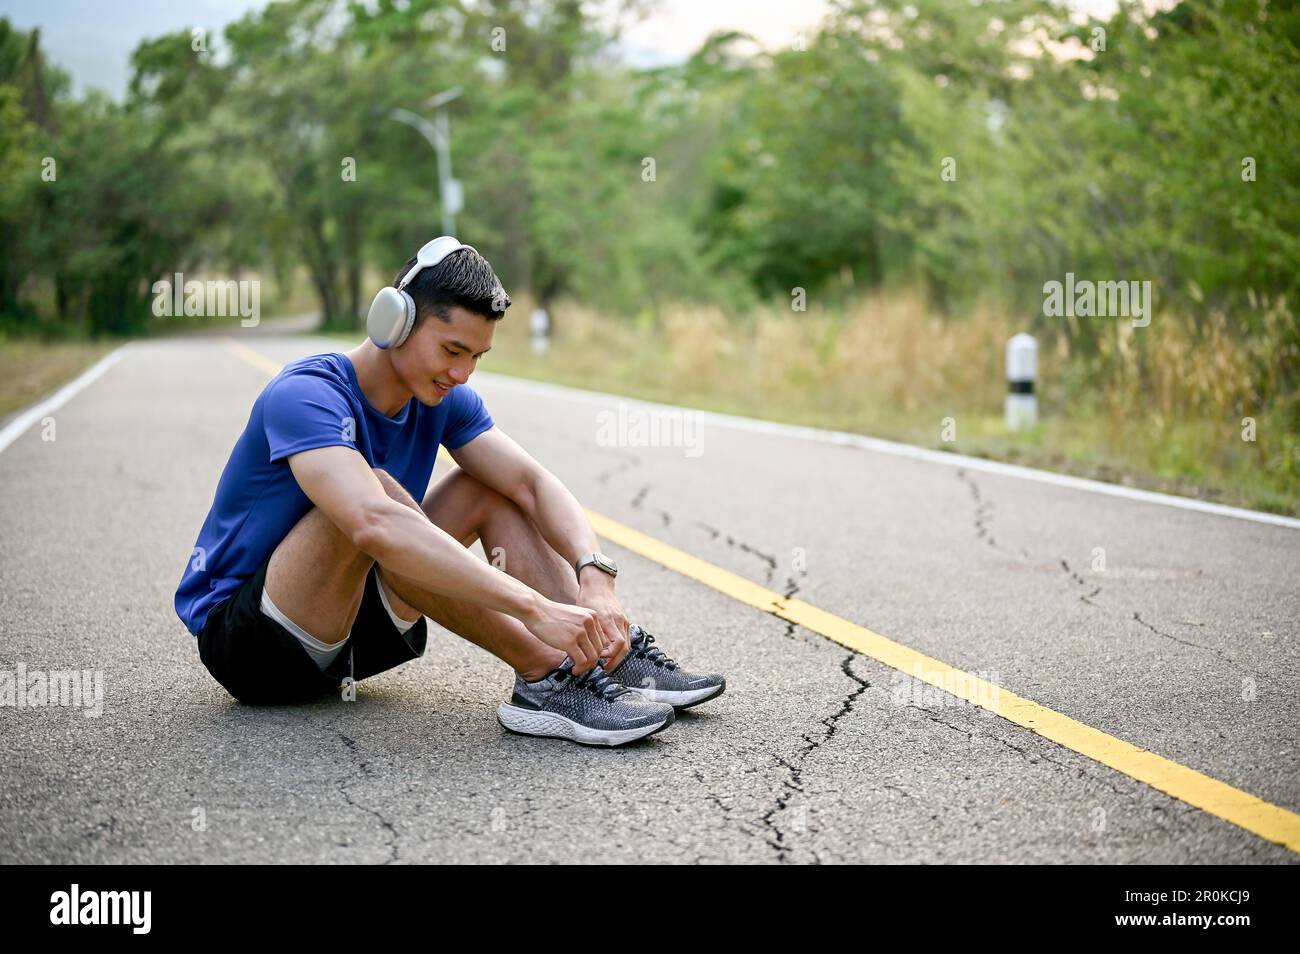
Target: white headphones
392 313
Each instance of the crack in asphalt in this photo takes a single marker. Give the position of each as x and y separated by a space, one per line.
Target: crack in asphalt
1089 598
1079 580
793 782
1218 652
638 502
971 735
769 561
1179 809
367 772
629 461
983 509
983 519
792 629
791 588
776 833
727 810
1032 757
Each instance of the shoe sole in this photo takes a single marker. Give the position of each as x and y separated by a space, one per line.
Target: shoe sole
552 725
684 698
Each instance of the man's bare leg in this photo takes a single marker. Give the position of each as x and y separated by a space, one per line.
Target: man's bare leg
316 576
468 510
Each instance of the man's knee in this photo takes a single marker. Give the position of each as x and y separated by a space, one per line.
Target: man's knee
395 489
475 499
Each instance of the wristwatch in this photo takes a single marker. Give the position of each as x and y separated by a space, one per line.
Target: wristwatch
600 561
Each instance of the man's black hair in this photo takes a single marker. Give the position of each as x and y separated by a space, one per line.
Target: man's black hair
462 278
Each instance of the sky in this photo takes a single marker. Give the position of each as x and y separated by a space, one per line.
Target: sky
93 39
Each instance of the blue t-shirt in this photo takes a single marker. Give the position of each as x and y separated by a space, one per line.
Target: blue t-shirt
313 402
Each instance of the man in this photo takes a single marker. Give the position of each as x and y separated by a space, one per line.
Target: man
316 565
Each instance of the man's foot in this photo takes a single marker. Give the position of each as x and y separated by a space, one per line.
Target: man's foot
592 709
646 670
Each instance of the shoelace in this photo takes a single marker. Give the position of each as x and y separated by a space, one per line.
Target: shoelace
653 653
599 683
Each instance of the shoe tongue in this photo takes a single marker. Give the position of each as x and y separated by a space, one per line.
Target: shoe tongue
602 681
596 674
563 669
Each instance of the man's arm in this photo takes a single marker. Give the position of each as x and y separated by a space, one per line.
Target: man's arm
498 462
341 483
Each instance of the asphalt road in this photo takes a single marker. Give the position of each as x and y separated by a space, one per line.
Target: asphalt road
1184 644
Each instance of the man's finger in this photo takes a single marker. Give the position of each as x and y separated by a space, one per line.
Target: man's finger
584 657
617 649
578 652
595 642
614 652
609 630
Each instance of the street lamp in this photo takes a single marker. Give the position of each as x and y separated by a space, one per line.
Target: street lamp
438 134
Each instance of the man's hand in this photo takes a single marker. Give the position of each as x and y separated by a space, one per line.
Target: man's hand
498 462
571 629
596 593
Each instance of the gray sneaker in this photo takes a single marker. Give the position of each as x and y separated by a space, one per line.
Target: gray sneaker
592 709
648 671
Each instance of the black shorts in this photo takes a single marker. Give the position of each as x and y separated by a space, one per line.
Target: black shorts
259 662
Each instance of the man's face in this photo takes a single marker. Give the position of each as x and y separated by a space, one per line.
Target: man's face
440 355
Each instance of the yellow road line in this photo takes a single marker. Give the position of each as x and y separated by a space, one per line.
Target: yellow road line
1240 808
1268 821
255 358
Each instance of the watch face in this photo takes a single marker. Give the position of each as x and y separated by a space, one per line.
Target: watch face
606 564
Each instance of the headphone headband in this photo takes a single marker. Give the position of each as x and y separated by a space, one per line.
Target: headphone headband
430 254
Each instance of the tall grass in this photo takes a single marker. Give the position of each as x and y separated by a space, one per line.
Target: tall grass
1160 406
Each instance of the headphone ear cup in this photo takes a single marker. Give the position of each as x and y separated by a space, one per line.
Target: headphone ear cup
391 315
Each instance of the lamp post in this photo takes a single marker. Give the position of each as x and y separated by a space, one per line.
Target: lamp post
438 135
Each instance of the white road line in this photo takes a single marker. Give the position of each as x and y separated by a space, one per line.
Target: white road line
25 419
895 449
